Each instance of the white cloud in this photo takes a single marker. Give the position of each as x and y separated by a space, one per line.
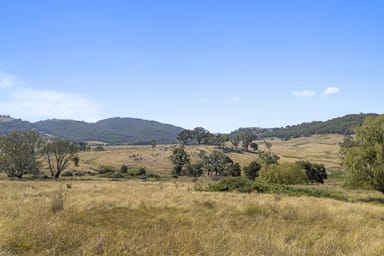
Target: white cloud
304 93
331 90
35 105
6 80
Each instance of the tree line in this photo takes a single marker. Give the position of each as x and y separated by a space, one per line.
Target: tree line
342 125
267 167
200 135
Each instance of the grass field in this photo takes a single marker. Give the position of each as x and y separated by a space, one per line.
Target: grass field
153 218
98 216
322 149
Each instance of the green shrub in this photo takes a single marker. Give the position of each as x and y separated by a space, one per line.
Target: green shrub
244 185
138 172
252 170
193 170
124 169
314 172
240 184
105 170
286 173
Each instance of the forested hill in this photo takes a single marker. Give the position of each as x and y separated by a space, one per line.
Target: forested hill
9 124
111 131
142 131
340 125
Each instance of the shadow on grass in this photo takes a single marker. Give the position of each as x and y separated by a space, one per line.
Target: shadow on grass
371 200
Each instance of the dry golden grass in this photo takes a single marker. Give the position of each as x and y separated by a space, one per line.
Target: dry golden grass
322 149
152 218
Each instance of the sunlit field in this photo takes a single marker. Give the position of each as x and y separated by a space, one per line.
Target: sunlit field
323 149
169 218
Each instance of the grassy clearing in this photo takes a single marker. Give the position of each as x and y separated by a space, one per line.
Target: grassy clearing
323 149
153 218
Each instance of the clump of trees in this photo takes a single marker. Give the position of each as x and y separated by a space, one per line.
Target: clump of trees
266 169
200 135
364 159
20 153
217 163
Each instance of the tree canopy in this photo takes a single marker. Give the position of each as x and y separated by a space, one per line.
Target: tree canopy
58 154
18 152
365 160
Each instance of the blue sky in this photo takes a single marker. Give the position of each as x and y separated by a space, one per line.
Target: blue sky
219 64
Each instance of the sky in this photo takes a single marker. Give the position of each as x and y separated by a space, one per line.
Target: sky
220 64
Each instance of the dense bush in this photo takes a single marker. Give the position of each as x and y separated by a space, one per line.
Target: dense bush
137 172
124 169
314 172
285 173
105 170
240 184
194 170
252 170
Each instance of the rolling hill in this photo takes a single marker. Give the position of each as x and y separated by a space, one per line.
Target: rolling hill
111 131
142 131
340 125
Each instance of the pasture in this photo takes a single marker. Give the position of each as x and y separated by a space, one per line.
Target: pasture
172 218
323 149
99 216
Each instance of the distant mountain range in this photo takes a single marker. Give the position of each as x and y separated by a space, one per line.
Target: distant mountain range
138 131
340 125
111 131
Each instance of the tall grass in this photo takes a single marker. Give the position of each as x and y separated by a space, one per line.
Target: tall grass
144 218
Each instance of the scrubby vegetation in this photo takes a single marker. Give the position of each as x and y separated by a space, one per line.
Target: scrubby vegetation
243 185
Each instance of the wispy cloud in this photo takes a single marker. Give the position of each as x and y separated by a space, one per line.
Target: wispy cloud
304 93
331 90
6 80
34 105
235 99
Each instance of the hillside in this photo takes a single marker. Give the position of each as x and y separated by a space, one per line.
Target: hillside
340 125
9 124
80 131
142 131
111 131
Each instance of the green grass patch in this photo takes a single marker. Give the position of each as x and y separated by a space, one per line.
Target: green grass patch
245 185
